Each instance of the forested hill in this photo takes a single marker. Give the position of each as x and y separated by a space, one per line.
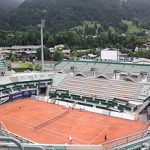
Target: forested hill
65 14
9 5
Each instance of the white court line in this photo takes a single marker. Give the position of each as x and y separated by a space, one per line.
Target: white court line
58 137
32 128
89 121
15 108
60 122
18 123
99 135
45 132
47 109
25 121
38 116
99 121
39 130
12 118
27 118
34 107
75 128
65 135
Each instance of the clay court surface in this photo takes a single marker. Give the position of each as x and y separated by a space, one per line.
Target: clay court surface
85 127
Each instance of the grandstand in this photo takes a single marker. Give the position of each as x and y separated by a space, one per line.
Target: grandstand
105 92
136 71
103 88
114 90
101 92
118 87
27 84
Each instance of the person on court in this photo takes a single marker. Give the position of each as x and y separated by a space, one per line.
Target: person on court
105 137
70 139
20 107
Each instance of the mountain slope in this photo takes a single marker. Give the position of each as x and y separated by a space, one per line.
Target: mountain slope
9 5
65 14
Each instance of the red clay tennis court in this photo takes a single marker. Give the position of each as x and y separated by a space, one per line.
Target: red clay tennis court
54 123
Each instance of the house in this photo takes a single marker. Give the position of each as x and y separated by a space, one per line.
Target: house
113 54
89 57
59 47
21 52
145 46
109 54
52 50
66 51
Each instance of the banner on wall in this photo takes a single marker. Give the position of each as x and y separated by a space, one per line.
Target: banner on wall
18 95
33 92
28 93
4 99
15 96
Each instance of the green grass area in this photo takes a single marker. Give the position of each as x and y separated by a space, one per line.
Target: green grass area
20 66
90 24
131 27
112 29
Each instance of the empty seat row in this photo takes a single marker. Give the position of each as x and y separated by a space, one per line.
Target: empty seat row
102 88
99 103
101 67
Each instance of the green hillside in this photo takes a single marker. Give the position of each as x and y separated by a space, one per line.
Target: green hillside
65 14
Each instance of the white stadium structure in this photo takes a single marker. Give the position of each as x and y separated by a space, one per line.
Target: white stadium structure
115 89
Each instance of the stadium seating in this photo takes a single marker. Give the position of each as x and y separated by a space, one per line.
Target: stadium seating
144 93
100 68
60 65
21 82
102 88
112 67
106 68
57 78
88 66
139 68
5 80
30 81
115 105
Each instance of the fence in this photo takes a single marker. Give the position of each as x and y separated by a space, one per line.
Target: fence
5 132
124 140
70 147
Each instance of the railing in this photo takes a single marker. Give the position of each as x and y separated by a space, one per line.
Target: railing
9 139
124 140
3 129
67 146
7 133
146 127
17 143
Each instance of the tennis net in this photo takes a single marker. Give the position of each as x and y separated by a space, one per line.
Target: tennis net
45 123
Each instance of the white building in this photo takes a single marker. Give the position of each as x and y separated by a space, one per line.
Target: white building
109 54
112 54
